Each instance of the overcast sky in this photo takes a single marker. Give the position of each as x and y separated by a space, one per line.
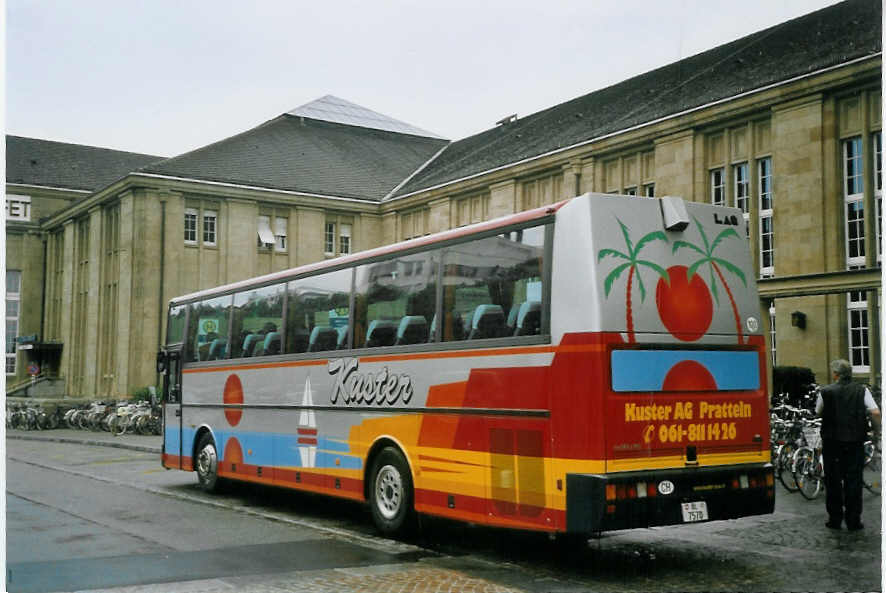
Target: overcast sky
164 77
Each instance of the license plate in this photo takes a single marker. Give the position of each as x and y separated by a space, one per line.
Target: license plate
695 511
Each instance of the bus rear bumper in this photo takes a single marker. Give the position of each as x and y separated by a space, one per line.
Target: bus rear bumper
629 500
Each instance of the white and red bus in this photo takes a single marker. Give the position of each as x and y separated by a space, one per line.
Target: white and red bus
593 365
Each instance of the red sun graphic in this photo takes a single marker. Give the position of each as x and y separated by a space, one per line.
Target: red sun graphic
233 452
685 306
689 375
233 395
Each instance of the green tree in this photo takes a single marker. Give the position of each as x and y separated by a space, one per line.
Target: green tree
632 264
707 257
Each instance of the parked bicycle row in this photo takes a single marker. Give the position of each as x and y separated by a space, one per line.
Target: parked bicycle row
796 451
138 417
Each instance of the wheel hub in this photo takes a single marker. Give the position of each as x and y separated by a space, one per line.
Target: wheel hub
389 489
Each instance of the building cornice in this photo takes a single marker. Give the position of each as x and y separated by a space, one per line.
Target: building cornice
27 186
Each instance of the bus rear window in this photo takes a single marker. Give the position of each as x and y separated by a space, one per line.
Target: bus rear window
684 370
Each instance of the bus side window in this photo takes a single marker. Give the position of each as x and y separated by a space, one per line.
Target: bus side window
208 329
396 300
175 329
317 313
492 287
258 322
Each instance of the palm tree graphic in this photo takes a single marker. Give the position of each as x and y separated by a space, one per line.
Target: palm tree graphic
707 257
631 265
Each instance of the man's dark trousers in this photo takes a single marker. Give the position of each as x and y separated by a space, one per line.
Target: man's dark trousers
843 463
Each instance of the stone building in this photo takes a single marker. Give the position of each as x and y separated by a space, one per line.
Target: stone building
784 124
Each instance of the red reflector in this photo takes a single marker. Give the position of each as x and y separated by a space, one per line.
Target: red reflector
610 509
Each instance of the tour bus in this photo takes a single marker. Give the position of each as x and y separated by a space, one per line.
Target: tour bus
593 365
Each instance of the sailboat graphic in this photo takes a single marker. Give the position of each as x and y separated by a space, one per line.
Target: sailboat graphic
307 428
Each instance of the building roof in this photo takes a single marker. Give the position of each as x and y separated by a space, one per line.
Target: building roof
46 163
828 37
303 154
337 110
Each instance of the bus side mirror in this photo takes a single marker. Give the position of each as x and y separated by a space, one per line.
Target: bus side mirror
161 362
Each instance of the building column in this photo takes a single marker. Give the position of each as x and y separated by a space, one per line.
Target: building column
124 294
587 178
571 185
66 333
503 198
91 367
674 157
440 217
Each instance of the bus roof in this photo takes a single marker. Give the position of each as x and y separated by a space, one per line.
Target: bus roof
443 236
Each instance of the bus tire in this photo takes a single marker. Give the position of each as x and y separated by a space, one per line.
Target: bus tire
206 464
391 492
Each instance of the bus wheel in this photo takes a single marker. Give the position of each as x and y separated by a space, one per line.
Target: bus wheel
207 464
390 497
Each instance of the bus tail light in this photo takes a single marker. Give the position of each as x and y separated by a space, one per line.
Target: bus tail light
651 490
641 490
743 480
610 491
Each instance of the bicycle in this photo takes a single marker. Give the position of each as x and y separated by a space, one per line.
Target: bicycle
808 467
871 474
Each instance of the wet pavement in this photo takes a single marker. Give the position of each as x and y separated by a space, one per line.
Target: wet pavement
790 550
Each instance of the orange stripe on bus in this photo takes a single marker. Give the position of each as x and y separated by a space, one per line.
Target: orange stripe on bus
269 365
415 356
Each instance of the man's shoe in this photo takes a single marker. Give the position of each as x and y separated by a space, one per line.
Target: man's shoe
855 527
832 525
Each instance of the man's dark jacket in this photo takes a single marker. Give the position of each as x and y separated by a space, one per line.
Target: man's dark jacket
844 416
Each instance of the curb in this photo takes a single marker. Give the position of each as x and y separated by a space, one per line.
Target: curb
93 443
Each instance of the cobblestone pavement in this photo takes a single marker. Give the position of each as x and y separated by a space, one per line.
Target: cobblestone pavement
395 578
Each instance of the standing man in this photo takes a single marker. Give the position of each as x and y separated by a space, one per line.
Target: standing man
843 408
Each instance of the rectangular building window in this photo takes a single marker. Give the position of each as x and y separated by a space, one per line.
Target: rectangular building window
853 188
280 233
329 238
859 345
210 222
649 190
718 187
742 193
631 191
767 234
190 225
13 300
265 236
344 239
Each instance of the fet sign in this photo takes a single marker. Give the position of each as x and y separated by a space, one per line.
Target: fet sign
18 207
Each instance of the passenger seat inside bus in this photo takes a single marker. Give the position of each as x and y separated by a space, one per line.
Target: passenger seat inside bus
381 332
271 345
529 319
249 344
413 329
322 338
341 342
218 349
488 321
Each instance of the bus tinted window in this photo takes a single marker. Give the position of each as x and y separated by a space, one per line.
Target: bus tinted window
175 331
493 287
318 310
395 301
258 322
208 329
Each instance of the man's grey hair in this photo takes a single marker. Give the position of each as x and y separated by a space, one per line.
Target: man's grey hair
841 368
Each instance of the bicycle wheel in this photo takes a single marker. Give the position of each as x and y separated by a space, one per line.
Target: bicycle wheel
786 460
871 476
807 473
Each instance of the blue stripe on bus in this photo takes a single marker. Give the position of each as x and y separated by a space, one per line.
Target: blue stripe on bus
645 370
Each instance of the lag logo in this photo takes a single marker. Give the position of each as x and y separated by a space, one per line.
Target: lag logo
384 387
